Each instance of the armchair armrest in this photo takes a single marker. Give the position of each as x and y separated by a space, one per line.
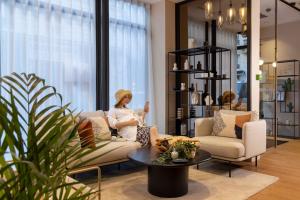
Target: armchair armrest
254 138
203 126
87 169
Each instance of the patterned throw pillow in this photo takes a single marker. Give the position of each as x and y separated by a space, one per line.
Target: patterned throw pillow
85 131
239 122
219 124
100 128
143 135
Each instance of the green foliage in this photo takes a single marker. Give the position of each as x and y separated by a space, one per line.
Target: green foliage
38 138
184 149
290 106
288 85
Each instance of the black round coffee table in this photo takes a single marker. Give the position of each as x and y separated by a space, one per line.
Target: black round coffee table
168 179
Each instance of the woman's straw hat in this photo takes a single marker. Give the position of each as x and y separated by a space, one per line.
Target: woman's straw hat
120 94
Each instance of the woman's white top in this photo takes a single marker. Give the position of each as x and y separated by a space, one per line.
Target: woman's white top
117 115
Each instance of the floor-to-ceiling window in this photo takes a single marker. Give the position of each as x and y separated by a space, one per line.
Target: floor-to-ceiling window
129 50
54 39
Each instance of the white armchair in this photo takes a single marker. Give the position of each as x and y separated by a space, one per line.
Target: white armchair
252 144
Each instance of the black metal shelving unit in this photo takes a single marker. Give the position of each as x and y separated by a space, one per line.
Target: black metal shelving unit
214 83
282 128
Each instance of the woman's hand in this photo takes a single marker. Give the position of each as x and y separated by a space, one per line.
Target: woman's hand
133 122
146 107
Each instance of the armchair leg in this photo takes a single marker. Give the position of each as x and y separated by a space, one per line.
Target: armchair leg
255 161
99 183
197 166
229 169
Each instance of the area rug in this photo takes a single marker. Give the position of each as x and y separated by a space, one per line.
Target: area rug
202 185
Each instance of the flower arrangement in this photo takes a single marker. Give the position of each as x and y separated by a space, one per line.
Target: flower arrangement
172 148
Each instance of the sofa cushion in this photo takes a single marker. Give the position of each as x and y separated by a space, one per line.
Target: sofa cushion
222 146
228 130
219 124
86 134
100 128
254 115
113 151
239 122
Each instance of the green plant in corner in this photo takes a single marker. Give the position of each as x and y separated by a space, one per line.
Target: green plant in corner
36 154
290 106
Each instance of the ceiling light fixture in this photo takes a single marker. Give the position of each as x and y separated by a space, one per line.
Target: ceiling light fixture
208 7
220 18
231 14
243 14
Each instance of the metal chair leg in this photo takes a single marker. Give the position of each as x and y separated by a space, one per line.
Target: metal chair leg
255 161
229 169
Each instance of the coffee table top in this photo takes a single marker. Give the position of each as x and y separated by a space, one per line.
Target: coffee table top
149 154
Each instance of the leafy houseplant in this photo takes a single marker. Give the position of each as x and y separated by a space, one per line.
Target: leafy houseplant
186 150
37 139
288 85
290 106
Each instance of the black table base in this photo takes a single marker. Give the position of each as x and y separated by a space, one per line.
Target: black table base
168 182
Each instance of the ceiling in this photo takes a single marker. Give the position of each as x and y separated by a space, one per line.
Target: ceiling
286 14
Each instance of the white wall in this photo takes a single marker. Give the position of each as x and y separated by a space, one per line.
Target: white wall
163 41
288 42
255 38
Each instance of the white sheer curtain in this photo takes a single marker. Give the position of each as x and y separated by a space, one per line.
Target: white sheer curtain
130 51
54 39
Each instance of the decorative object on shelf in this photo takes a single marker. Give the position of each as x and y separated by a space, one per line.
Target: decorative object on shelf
192 88
183 129
274 64
290 107
175 68
288 85
182 86
220 18
192 111
196 97
287 122
174 154
186 65
199 66
231 14
228 97
204 94
280 96
259 75
208 9
204 75
208 100
191 43
243 13
179 113
224 76
185 149
211 74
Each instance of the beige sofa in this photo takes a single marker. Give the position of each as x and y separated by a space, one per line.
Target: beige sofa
252 144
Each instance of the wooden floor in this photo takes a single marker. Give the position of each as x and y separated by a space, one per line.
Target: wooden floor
284 163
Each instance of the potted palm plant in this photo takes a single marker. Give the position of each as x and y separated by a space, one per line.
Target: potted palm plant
35 138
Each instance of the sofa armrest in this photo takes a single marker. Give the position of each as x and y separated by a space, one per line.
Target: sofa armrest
203 126
254 138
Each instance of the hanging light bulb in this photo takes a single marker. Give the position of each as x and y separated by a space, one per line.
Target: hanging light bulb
243 14
244 30
231 13
261 62
220 18
274 64
208 7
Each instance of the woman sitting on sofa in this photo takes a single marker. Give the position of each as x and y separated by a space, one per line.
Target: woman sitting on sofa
129 125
